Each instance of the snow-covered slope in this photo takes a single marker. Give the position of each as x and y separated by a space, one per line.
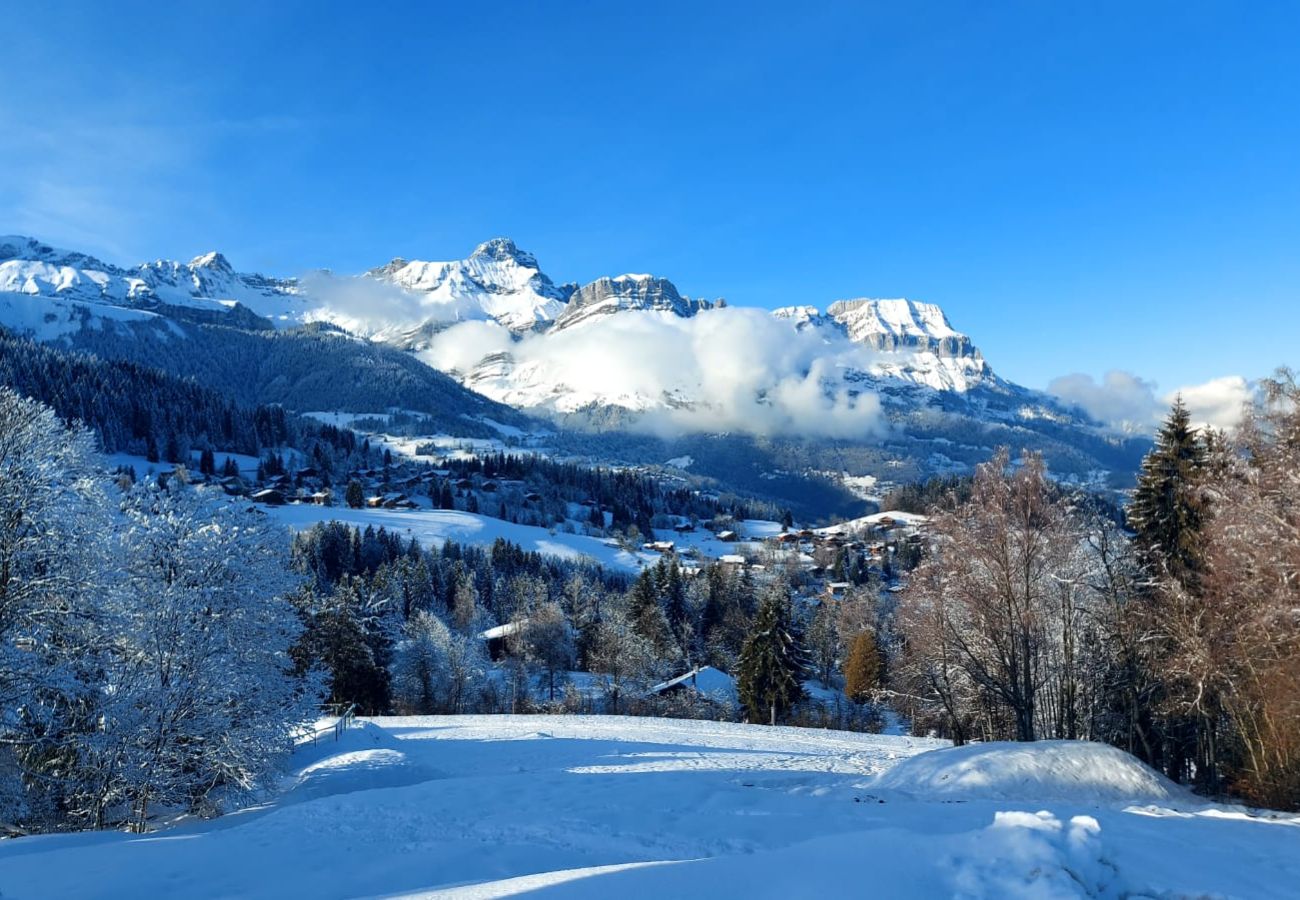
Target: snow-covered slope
598 807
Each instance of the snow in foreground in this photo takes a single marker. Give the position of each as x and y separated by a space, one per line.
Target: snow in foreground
495 806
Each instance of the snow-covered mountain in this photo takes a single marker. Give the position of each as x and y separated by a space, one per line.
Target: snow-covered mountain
205 288
498 281
628 351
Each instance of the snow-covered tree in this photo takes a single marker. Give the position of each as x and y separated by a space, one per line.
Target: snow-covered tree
53 548
548 643
434 669
773 662
204 698
620 655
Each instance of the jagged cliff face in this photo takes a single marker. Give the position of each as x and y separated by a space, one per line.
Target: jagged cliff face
623 293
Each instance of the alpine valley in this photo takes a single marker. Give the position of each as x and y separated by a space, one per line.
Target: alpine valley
818 408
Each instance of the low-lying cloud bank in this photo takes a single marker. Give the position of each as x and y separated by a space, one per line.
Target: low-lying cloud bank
369 306
1129 403
740 370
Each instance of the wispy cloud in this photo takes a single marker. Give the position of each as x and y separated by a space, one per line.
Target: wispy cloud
107 179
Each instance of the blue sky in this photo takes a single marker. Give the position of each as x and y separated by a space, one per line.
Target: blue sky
1083 187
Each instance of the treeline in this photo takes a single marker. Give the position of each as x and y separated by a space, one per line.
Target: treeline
143 411
1036 616
631 497
308 369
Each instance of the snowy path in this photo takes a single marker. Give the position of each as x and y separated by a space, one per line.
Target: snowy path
495 806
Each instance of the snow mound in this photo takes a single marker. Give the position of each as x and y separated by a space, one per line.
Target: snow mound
1075 771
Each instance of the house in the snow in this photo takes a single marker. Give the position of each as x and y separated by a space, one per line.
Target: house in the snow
838 590
705 680
269 496
497 638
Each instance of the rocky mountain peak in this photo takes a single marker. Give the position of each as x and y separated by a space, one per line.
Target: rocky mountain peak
212 260
503 249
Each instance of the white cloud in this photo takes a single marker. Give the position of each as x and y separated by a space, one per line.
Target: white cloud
1122 400
1131 404
722 370
1218 403
369 307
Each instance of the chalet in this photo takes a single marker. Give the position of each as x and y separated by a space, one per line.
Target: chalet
683 528
837 590
729 537
498 638
375 502
463 484
706 680
269 496
532 497
661 546
489 487
397 501
320 498
734 560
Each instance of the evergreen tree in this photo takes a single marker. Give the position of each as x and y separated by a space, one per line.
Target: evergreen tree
354 496
673 587
772 662
1166 513
646 615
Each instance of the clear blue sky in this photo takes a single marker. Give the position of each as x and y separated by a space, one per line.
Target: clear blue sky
1081 186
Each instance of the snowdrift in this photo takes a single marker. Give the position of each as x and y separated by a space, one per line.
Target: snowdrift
1073 771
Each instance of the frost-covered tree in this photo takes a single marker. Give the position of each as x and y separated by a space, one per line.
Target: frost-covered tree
992 618
53 551
205 698
548 643
436 670
620 655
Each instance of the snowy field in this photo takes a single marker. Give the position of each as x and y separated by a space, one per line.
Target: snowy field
433 527
598 807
